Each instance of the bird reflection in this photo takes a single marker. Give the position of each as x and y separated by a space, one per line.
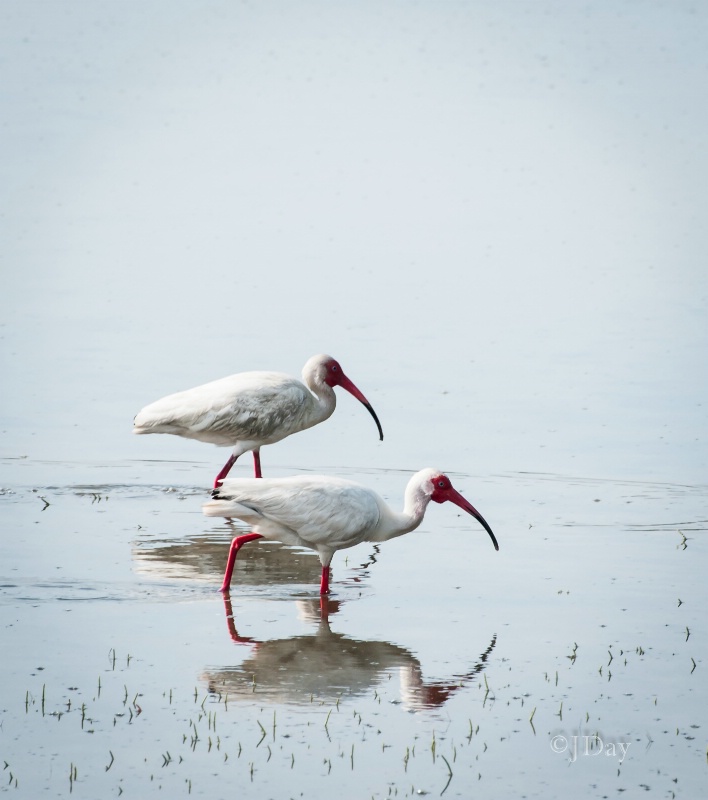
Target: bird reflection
201 557
327 665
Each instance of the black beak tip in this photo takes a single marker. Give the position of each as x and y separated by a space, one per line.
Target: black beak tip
371 411
492 537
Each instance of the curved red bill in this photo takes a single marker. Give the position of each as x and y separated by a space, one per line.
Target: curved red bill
455 497
345 383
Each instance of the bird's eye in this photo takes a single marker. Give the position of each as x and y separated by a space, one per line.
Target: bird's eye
334 367
441 484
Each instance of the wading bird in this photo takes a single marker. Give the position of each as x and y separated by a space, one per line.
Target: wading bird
327 514
250 409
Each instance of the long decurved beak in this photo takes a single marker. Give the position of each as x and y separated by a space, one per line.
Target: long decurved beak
345 383
455 497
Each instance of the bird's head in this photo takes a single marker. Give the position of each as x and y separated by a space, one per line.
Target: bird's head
442 491
324 369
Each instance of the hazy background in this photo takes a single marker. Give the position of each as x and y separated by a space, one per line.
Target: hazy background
492 214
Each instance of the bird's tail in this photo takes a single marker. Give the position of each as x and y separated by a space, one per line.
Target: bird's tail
227 507
216 507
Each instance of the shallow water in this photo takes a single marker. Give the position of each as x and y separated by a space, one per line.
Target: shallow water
587 622
491 216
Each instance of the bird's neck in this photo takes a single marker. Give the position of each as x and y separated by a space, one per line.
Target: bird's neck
397 523
324 401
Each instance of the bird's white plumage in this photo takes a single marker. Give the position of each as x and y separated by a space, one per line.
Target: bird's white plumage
249 407
327 514
323 513
320 512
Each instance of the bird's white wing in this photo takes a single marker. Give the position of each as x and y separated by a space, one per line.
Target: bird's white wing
322 511
258 406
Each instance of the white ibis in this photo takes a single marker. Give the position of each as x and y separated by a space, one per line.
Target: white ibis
327 514
250 409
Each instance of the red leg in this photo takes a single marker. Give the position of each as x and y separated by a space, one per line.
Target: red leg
232 625
257 463
324 583
235 547
225 471
327 607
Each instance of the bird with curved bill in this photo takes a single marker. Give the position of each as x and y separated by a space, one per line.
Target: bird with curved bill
327 514
251 409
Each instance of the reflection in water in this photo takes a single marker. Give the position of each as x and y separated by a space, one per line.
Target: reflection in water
327 665
202 557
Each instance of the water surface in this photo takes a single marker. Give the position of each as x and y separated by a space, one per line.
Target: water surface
492 217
